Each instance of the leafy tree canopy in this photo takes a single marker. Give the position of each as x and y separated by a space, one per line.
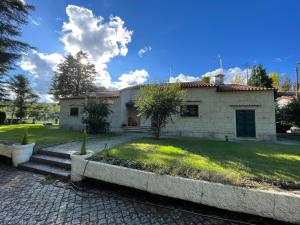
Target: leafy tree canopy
19 85
205 80
275 77
159 103
237 79
13 14
75 76
291 113
95 118
286 85
259 77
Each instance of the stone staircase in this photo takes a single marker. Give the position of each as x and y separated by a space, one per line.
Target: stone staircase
137 129
54 163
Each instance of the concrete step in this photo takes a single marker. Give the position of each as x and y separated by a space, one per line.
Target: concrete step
139 129
54 153
45 169
52 160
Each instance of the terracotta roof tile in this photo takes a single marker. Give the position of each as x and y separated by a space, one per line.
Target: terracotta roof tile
105 94
195 84
239 87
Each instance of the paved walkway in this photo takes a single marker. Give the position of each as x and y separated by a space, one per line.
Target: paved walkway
25 200
97 144
286 141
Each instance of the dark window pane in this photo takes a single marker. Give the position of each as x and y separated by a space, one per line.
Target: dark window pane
74 112
189 111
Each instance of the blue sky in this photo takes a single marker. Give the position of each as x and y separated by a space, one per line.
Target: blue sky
185 36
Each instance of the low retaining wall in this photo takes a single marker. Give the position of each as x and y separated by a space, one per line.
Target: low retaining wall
276 205
18 153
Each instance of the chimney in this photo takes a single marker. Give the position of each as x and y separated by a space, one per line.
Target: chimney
219 79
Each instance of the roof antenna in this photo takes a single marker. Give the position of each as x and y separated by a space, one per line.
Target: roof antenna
220 60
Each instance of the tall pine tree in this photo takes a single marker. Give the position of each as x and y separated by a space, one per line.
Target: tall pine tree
13 14
75 76
259 77
19 85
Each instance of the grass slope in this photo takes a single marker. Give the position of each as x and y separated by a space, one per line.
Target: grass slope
239 163
37 133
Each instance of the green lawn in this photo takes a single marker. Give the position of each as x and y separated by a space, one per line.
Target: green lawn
239 163
291 137
37 133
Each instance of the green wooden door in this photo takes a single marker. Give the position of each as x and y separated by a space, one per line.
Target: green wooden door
245 123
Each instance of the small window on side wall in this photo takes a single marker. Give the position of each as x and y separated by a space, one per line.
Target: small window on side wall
74 111
189 111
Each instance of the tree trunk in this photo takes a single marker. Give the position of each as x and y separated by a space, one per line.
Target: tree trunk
157 133
12 113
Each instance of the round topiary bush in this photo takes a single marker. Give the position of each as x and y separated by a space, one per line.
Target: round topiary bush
2 117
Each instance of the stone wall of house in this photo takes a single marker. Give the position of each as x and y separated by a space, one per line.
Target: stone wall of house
71 122
75 122
216 119
217 112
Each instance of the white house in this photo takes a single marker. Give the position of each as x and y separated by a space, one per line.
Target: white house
212 111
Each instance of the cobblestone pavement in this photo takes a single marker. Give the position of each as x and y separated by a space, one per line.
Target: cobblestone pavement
24 199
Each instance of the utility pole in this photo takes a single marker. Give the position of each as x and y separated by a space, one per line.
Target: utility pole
247 73
297 81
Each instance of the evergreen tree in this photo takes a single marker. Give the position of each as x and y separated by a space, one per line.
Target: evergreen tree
259 77
75 76
13 14
19 85
286 85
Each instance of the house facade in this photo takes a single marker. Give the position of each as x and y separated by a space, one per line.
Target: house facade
213 111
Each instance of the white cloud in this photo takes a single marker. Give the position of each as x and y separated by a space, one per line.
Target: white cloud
277 60
130 79
230 74
101 40
144 50
183 78
41 66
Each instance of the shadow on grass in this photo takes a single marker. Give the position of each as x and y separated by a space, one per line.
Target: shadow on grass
254 159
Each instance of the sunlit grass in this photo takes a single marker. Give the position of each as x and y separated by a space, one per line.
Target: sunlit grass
236 161
37 133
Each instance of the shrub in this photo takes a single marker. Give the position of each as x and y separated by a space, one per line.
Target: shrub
159 103
96 119
2 117
290 114
83 146
25 137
